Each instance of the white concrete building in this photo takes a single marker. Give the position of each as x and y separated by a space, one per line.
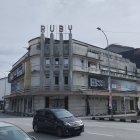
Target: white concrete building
5 89
73 75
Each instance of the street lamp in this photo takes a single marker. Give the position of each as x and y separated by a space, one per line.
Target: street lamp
109 76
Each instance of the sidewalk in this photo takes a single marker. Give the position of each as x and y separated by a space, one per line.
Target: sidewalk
120 118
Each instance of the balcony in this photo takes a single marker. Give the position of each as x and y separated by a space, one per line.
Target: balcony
79 88
92 55
120 74
86 69
35 89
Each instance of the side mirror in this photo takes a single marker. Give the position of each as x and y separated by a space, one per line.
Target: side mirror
33 138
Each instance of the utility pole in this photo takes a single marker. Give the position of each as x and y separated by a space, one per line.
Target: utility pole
109 75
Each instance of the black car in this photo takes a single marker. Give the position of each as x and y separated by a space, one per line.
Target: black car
138 112
59 121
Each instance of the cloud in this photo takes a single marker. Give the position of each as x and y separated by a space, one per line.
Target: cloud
21 20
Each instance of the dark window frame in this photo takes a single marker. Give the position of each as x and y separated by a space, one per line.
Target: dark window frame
56 80
66 80
56 61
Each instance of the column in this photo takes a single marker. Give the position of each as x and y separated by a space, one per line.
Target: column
42 62
61 64
70 61
51 77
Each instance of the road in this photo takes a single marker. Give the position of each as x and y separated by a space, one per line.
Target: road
94 130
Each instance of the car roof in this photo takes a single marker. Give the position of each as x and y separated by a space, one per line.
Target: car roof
5 124
51 109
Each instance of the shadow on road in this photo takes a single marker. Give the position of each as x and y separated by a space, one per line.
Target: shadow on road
49 136
43 136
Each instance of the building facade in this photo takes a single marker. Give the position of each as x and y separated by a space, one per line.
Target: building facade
5 89
74 75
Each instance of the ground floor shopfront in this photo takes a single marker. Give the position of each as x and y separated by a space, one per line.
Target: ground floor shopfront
79 104
1 105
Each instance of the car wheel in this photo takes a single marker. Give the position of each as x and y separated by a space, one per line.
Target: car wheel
78 134
59 132
36 128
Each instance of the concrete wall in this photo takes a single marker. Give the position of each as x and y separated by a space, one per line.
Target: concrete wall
79 49
35 79
117 62
35 63
80 81
77 105
34 41
77 62
35 69
34 49
3 89
39 102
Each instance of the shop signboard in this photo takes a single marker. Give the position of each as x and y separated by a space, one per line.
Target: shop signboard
122 85
96 83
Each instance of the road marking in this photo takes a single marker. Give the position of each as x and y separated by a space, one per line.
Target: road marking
101 126
100 134
131 129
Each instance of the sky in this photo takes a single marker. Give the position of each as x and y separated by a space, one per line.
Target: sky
20 21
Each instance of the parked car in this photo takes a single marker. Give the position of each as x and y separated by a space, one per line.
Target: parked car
59 121
11 132
138 112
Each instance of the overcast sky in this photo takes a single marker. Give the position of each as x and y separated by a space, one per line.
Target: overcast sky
20 21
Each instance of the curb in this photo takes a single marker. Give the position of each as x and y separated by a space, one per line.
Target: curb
116 119
85 118
19 114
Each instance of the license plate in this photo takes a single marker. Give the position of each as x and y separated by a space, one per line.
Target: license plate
77 128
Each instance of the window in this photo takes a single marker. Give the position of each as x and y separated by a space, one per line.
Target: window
63 114
49 115
131 105
47 80
89 64
13 133
82 63
56 80
65 61
125 69
56 61
47 61
41 113
66 80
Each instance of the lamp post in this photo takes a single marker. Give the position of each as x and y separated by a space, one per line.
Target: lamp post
109 76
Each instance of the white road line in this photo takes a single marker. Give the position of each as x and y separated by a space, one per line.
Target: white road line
100 126
99 134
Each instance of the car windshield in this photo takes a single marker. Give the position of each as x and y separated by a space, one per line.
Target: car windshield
13 133
63 114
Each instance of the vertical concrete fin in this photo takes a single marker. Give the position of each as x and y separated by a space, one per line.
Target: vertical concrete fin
27 76
70 61
42 61
51 61
61 63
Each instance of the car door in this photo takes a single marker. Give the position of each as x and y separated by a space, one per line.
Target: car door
41 119
50 121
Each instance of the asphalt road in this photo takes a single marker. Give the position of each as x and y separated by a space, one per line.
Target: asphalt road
94 130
